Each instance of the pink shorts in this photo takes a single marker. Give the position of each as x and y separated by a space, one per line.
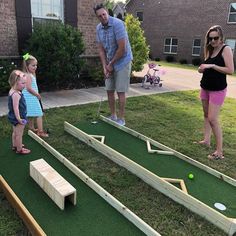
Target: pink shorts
214 97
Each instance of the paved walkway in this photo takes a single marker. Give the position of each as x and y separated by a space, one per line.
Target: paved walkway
174 80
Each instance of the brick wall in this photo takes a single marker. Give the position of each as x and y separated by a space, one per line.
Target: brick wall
87 22
183 19
8 36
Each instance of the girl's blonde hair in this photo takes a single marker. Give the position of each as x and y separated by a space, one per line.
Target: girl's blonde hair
26 61
15 76
208 49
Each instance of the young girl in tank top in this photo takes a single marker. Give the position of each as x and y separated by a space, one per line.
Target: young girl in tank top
17 110
32 96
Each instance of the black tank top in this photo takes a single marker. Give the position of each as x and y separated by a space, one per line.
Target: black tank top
213 80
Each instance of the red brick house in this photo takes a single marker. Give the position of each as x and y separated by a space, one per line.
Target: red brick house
17 18
177 28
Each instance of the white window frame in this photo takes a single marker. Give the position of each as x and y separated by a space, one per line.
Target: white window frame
231 43
196 47
40 15
171 46
231 13
138 16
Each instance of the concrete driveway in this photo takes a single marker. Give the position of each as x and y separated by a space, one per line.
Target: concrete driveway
175 79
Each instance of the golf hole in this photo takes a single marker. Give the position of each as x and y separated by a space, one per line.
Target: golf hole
220 206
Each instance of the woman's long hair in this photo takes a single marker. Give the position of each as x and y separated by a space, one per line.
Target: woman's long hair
208 49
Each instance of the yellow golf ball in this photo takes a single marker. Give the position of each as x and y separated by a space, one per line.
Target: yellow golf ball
191 176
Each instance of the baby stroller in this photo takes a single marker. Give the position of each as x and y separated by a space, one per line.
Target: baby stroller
154 78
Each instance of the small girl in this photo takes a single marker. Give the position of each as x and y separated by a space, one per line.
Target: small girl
17 110
32 96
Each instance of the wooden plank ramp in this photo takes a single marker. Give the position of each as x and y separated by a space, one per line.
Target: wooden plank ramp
56 187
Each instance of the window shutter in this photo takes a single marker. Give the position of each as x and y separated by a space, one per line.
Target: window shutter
70 12
23 22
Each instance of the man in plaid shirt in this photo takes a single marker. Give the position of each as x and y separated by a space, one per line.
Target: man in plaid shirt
116 57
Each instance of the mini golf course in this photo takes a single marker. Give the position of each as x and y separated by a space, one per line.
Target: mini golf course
91 215
164 169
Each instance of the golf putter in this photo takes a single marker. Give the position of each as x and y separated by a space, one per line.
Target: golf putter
98 111
41 105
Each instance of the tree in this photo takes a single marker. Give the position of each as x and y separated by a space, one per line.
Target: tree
138 42
109 4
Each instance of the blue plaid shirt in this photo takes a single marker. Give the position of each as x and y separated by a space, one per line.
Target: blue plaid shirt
109 35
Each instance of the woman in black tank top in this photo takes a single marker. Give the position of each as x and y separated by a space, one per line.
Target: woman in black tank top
218 63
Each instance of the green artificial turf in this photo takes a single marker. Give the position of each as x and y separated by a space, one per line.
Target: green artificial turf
204 187
176 120
91 216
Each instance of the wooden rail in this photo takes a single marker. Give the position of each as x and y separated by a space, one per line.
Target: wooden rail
21 210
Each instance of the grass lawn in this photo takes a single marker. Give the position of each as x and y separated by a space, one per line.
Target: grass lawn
174 119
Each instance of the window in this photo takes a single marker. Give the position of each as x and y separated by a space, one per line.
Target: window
171 45
196 47
232 13
46 10
231 43
139 15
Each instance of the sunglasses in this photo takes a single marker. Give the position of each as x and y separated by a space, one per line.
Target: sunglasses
20 74
215 38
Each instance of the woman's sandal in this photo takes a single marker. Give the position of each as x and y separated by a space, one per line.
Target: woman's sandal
42 134
23 151
14 148
215 156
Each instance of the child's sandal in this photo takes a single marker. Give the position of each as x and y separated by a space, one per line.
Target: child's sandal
42 134
215 156
14 148
23 151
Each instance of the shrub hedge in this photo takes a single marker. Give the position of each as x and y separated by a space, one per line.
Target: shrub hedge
57 48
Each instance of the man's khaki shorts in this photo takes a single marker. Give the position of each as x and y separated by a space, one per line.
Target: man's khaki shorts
120 80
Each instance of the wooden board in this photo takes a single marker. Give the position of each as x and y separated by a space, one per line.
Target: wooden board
174 152
193 204
56 187
128 214
21 210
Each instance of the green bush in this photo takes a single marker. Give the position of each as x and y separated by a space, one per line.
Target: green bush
96 73
57 48
6 67
138 43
